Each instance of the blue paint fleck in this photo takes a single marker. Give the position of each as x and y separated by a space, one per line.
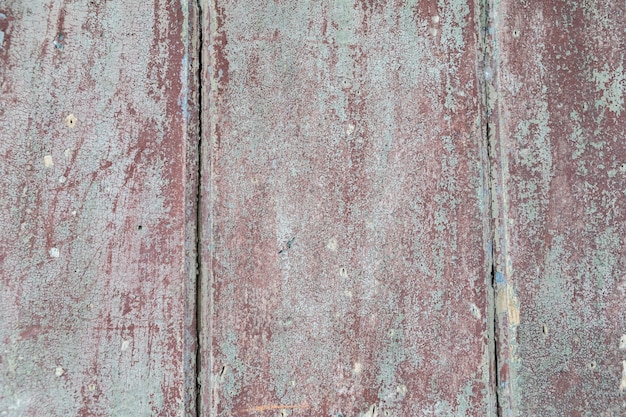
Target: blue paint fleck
500 278
58 42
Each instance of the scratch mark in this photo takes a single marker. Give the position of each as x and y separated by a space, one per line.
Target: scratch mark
271 407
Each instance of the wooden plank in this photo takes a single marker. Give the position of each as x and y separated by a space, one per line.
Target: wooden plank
98 132
345 255
561 178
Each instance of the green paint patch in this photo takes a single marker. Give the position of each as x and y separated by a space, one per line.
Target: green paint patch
611 84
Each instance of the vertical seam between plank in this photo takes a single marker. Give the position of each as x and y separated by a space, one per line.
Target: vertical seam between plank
198 71
498 214
487 78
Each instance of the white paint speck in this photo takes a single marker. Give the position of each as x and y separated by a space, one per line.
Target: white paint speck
47 161
622 342
475 311
125 344
1 38
332 244
402 389
70 120
349 129
62 179
59 371
54 252
347 293
358 368
68 153
435 19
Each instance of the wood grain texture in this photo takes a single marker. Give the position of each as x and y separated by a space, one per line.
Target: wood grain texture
98 136
560 163
345 220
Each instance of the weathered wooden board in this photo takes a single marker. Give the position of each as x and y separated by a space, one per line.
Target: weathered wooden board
98 179
560 124
345 210
346 241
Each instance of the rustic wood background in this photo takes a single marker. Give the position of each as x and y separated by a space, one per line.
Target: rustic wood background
312 207
98 177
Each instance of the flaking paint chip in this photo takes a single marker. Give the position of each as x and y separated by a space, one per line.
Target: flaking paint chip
475 311
59 371
54 252
47 161
622 342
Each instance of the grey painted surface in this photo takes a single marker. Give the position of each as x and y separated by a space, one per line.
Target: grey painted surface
360 161
346 210
97 174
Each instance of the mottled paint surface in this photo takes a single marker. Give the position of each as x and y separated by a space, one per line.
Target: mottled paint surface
560 183
360 162
97 207
346 210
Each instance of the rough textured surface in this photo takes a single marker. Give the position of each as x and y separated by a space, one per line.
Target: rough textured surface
345 222
560 163
97 180
347 213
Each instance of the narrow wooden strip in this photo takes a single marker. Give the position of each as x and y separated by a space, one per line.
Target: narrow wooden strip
561 185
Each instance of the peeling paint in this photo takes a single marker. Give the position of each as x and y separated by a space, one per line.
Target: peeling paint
372 172
97 163
557 100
